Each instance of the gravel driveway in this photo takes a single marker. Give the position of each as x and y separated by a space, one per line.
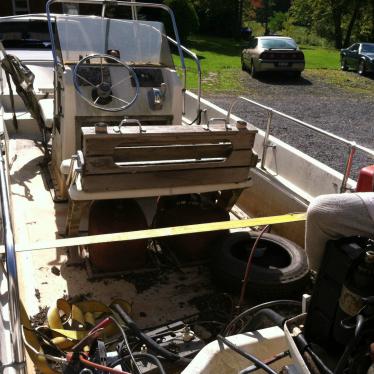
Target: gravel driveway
313 100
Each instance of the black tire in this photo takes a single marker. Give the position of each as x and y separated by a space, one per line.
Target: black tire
361 67
280 271
253 70
343 64
296 74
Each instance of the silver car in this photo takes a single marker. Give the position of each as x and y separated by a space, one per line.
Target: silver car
273 53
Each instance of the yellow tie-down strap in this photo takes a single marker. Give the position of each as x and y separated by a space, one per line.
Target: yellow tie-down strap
66 325
160 232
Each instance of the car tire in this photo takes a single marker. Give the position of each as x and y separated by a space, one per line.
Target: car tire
253 70
280 269
296 74
361 67
343 64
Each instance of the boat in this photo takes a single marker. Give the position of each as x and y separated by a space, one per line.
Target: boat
108 162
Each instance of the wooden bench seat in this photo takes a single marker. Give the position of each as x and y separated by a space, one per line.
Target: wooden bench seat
165 156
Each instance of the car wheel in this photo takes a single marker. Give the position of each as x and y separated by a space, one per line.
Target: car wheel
343 64
279 267
296 74
361 67
253 70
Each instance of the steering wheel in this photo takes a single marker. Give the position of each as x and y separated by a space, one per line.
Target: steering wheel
101 94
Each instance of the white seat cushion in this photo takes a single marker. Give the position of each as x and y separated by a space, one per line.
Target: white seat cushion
46 107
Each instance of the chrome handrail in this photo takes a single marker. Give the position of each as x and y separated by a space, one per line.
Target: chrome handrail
197 62
11 267
353 146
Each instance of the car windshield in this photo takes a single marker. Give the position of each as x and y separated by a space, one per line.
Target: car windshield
368 48
278 43
136 42
25 34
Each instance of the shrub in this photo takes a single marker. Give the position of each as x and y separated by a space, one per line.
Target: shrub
276 21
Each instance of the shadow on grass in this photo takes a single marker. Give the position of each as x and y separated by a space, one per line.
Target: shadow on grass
287 79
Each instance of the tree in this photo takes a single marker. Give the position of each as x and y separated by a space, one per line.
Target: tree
219 17
336 20
265 10
185 15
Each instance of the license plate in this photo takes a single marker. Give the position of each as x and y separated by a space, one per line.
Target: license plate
283 64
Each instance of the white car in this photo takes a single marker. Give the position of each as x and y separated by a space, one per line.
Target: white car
273 53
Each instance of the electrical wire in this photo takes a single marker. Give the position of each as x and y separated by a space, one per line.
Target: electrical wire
268 361
197 118
126 342
148 340
260 364
229 330
94 365
140 355
248 267
319 363
61 360
343 359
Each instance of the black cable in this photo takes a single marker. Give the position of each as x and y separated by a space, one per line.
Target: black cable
146 339
126 342
198 118
150 357
303 346
260 364
320 364
351 345
228 329
277 357
274 317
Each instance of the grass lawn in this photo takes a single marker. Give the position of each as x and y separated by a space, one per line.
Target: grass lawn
321 58
220 62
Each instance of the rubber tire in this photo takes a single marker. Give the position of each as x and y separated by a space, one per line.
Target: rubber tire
361 67
296 74
253 70
263 282
343 64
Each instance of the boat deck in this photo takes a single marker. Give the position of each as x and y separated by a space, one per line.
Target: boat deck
44 276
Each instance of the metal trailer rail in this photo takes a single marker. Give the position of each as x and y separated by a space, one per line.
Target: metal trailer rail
352 146
18 363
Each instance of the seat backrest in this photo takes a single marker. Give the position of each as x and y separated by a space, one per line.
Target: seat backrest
165 156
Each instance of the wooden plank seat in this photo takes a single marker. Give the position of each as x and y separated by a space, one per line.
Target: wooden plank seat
164 156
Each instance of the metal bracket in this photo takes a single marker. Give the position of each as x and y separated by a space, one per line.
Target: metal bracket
127 121
224 120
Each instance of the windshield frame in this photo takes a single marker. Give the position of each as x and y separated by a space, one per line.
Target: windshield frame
137 42
133 5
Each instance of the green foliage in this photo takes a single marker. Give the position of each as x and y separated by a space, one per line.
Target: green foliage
340 21
301 12
276 21
186 17
304 35
256 27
